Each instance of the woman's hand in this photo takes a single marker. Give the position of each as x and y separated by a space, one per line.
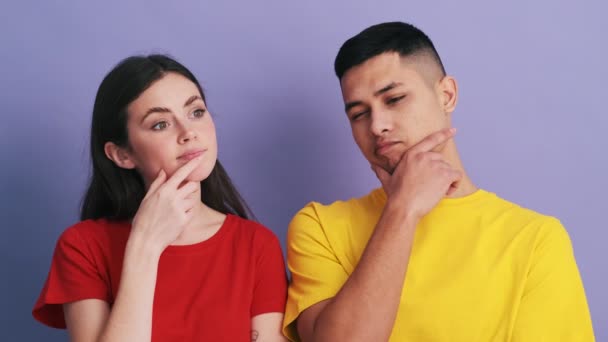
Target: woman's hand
166 209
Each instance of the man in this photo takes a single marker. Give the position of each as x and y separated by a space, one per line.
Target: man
428 256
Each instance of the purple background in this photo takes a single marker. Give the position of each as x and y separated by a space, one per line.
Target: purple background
531 118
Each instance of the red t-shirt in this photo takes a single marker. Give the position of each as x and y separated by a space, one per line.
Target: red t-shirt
208 291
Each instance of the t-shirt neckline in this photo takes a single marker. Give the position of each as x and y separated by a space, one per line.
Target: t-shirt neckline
205 244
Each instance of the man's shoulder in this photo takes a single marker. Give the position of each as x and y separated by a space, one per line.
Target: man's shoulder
343 209
519 211
317 217
519 218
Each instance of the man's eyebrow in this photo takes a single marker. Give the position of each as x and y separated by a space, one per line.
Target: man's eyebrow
388 87
350 105
392 85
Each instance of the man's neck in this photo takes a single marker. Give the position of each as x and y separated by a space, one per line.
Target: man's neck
465 186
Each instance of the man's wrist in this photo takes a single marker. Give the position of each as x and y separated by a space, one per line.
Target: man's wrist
402 213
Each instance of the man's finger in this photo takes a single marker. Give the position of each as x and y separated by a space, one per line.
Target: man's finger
433 140
453 187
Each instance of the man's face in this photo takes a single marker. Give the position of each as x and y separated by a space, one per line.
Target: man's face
393 103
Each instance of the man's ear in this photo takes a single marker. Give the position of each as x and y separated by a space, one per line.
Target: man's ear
448 93
118 155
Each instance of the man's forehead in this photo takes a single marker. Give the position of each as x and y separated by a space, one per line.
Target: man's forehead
389 68
372 78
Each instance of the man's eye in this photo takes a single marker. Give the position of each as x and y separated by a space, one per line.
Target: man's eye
394 100
357 116
160 126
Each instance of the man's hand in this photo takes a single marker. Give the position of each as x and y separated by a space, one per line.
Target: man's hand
422 177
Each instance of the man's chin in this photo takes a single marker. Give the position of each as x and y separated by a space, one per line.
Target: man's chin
390 164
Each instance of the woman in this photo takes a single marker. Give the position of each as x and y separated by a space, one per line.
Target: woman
164 251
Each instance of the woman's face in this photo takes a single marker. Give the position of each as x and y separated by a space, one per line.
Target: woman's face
167 125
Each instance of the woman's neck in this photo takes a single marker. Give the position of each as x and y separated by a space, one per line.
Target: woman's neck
205 222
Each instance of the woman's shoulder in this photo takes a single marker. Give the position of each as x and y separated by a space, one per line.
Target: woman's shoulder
96 230
251 229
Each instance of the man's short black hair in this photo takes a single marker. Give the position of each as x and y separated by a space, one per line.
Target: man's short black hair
402 38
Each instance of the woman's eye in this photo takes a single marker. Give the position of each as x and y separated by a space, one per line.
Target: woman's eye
199 113
160 126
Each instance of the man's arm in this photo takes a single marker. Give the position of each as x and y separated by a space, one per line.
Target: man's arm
366 306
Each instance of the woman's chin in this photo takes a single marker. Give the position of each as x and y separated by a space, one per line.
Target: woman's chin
199 174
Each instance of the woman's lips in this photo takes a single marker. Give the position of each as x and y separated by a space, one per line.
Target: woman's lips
191 155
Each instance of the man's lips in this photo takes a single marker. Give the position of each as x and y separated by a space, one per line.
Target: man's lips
384 147
191 155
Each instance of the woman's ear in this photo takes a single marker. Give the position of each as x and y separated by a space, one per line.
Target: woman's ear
448 92
118 155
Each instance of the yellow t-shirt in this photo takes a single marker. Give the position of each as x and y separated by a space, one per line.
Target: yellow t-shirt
481 269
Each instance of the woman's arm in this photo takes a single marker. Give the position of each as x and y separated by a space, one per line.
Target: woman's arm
130 318
86 318
267 328
161 217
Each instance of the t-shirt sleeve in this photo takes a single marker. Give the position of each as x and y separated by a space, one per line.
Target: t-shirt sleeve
316 271
270 288
73 276
553 305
